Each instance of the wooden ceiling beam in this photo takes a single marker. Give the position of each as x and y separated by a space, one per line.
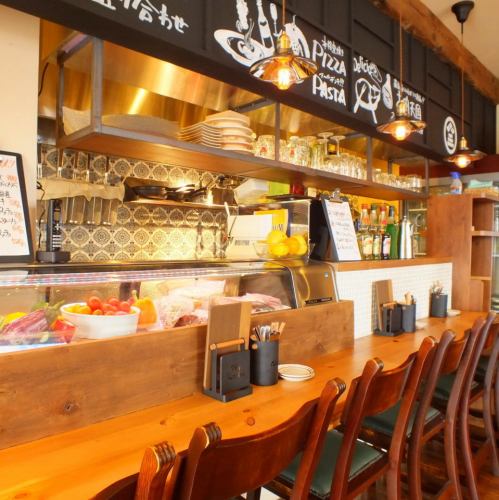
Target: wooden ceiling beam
421 22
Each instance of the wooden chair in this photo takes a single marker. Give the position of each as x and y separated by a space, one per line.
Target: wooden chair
149 483
470 393
217 469
348 466
486 374
424 421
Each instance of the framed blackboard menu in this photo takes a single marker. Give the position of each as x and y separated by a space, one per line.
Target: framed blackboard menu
340 224
15 232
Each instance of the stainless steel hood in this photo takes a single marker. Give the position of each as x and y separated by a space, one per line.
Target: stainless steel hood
135 83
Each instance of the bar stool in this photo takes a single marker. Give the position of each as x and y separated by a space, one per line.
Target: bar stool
217 469
349 466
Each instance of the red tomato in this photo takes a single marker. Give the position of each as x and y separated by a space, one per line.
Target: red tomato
64 329
114 302
98 312
125 306
121 313
109 308
94 303
110 313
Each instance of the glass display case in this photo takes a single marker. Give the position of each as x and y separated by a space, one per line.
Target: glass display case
48 305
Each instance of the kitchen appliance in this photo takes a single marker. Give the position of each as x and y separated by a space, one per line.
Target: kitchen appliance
53 243
406 234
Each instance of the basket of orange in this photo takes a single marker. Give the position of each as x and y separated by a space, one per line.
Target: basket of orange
278 245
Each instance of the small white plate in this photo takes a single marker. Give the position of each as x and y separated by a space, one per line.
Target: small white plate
295 373
453 312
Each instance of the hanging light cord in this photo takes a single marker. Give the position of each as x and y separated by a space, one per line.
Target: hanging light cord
401 52
283 14
462 82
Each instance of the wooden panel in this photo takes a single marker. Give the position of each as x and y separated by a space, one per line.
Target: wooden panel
481 256
476 292
83 383
77 464
425 25
483 216
448 234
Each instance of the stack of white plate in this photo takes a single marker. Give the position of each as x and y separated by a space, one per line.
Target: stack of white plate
295 373
202 133
235 130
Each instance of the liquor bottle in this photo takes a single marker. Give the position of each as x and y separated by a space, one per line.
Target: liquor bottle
385 236
365 238
392 230
263 25
376 243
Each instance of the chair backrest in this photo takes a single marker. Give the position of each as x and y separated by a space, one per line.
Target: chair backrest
220 469
373 392
454 354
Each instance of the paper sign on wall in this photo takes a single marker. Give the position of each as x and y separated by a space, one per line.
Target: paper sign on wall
340 223
15 234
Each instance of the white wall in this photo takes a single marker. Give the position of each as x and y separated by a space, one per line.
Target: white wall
359 287
19 53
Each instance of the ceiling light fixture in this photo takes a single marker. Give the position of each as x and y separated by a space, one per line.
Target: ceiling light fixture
464 155
283 68
401 126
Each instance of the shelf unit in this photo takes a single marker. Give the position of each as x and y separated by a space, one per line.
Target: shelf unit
100 138
460 226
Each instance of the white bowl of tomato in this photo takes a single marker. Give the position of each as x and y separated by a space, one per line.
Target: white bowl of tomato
99 319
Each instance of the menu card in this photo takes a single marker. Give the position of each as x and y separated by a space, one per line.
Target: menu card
340 223
15 234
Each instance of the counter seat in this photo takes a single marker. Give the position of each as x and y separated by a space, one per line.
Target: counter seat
79 463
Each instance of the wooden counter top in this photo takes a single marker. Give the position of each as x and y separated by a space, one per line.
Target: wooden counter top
77 464
364 265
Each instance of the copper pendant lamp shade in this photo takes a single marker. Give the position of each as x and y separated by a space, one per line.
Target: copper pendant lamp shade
283 68
402 125
464 154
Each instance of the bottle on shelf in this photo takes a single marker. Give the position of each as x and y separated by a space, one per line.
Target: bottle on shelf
365 237
376 242
385 236
456 186
392 230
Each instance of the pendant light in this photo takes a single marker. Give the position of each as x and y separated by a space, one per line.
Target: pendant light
283 68
464 155
401 126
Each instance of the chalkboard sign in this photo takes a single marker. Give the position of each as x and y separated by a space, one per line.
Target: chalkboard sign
15 233
340 223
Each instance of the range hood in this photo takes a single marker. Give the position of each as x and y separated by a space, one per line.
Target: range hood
135 83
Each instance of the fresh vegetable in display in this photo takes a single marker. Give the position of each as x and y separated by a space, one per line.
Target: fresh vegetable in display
39 326
98 307
148 315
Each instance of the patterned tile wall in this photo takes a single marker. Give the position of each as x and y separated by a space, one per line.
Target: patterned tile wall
142 232
359 287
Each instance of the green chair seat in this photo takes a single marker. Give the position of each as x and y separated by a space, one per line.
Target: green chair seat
481 369
444 386
384 422
363 456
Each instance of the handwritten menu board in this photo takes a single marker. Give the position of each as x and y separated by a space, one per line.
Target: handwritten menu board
15 234
340 223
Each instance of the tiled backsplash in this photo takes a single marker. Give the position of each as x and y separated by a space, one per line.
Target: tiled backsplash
359 287
142 232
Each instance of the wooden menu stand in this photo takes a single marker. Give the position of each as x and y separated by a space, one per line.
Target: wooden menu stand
227 361
230 372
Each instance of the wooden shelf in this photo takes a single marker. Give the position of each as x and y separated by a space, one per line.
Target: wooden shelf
384 264
493 234
481 278
170 203
119 142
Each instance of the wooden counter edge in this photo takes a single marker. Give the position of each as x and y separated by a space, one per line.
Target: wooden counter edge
365 265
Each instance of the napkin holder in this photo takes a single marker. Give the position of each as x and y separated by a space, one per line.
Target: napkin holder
229 371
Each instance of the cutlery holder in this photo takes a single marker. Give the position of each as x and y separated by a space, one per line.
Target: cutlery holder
438 305
408 317
391 321
264 362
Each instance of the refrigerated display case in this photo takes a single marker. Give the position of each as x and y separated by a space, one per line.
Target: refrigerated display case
44 305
